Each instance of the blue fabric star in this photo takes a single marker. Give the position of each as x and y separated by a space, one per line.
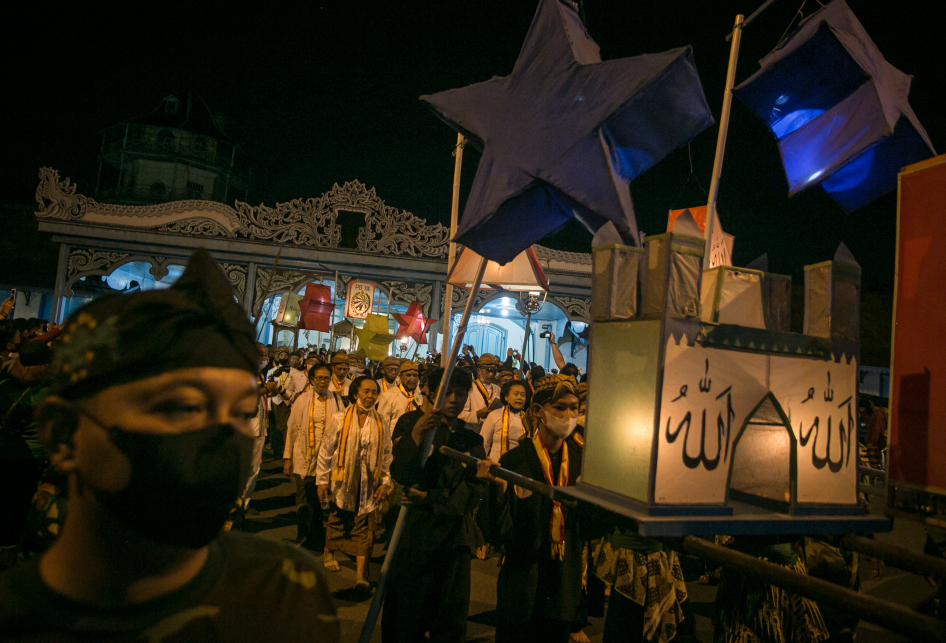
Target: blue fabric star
564 133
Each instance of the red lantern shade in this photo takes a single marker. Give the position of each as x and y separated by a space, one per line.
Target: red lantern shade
413 324
316 308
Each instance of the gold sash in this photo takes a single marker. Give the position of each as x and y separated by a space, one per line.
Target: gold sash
338 474
487 396
557 522
410 398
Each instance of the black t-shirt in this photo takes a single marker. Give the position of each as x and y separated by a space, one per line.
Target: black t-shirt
250 589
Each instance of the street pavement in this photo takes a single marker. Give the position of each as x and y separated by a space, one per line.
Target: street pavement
274 499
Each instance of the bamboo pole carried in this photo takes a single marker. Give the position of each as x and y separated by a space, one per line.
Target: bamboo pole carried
372 618
452 254
874 610
721 142
511 476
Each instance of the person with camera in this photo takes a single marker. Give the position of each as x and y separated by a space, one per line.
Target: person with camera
299 379
485 395
429 579
353 477
310 413
149 421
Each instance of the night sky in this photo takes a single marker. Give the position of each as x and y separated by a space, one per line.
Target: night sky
329 93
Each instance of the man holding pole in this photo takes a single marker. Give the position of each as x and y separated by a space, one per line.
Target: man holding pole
430 574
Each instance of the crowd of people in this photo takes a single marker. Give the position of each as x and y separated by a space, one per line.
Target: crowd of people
133 439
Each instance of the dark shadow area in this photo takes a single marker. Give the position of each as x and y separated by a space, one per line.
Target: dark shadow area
268 483
353 595
484 618
276 522
274 503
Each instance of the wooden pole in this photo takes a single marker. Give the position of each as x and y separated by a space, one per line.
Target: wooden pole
884 613
451 255
372 618
721 141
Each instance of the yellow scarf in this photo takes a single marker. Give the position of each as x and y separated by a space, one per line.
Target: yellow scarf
338 387
384 384
487 396
338 474
315 395
557 522
580 441
504 443
410 398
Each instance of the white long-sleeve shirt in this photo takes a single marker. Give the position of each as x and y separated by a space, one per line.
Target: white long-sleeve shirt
475 401
297 432
392 404
362 453
492 432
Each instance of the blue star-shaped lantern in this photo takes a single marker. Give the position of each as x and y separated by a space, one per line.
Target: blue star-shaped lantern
840 111
565 132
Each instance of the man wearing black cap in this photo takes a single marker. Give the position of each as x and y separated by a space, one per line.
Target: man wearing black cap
150 423
429 586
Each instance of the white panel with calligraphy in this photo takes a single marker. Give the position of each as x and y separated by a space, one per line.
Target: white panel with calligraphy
820 400
706 395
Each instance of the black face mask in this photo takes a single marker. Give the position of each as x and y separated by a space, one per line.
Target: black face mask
183 485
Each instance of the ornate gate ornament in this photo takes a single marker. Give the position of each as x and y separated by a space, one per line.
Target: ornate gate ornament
302 222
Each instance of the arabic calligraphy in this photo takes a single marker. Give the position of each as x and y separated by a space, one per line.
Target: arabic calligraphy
723 422
825 433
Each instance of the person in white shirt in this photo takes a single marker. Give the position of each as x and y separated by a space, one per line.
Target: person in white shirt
340 368
403 397
484 392
299 379
310 413
353 474
279 402
389 374
503 427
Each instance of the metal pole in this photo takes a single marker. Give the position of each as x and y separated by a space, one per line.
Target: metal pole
525 342
890 615
269 282
897 556
451 255
331 334
372 618
511 476
721 141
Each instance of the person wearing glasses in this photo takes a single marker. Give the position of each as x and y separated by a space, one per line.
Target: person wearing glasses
306 425
485 394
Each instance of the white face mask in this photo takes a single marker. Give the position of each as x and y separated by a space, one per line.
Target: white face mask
362 405
581 419
559 427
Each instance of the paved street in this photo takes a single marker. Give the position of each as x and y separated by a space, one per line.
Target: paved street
275 497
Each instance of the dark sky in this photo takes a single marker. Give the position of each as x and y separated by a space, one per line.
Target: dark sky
329 92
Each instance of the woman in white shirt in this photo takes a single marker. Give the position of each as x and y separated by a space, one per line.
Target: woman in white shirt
502 428
353 474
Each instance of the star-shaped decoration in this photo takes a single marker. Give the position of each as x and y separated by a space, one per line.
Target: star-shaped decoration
316 308
565 132
413 323
374 338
